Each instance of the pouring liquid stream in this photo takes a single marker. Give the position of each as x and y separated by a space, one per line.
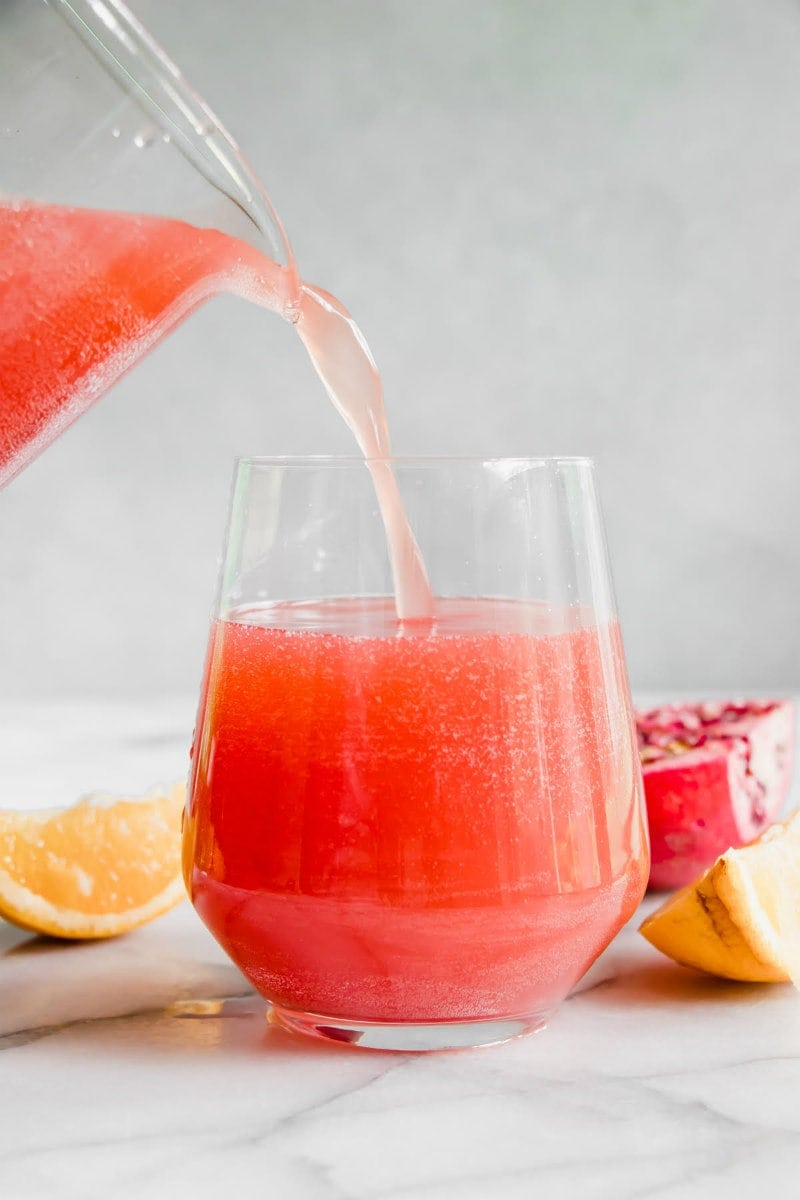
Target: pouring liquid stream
84 294
343 361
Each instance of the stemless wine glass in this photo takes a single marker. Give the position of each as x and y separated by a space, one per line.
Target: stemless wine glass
415 835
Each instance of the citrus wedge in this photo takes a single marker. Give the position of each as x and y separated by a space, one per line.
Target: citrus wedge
101 867
740 920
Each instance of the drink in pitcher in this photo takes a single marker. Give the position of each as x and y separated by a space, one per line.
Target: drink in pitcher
85 294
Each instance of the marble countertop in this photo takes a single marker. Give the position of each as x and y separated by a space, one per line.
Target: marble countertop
121 1076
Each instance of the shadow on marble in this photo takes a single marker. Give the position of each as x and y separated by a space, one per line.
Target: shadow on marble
34 943
12 939
239 1028
229 1026
652 985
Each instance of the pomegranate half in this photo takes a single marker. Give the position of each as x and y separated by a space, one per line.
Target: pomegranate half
715 775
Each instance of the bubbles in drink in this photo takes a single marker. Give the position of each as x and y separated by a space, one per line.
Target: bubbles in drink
411 826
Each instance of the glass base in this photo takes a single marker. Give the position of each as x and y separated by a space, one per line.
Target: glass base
411 1036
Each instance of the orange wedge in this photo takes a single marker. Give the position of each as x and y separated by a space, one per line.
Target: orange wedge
740 920
101 867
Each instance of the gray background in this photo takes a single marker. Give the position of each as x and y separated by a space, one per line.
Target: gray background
564 227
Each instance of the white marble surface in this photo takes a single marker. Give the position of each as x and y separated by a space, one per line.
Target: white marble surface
651 1081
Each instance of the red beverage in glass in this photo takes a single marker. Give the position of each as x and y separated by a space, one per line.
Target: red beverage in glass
431 825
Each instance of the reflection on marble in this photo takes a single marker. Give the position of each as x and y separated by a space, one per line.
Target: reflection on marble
119 1078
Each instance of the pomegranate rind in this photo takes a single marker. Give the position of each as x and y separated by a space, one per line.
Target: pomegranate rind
715 776
741 919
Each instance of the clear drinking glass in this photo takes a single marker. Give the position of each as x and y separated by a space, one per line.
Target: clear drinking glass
415 835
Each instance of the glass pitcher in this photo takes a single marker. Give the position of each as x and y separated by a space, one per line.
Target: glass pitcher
97 125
